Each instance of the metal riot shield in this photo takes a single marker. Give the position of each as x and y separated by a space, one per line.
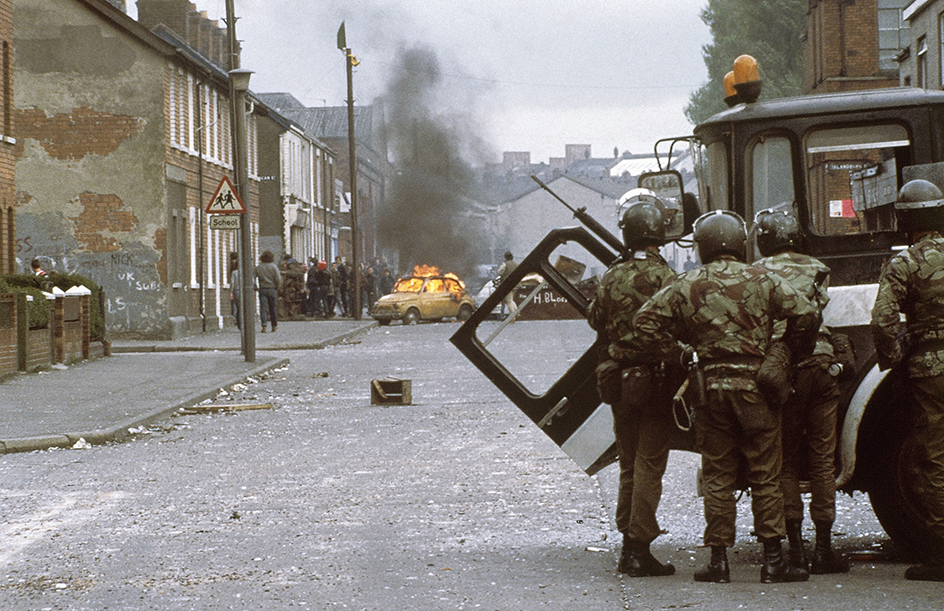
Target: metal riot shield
569 411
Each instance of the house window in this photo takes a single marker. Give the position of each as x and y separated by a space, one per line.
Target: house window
172 105
921 63
193 247
7 91
893 33
940 50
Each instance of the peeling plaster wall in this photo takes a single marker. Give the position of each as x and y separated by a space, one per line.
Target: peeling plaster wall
89 102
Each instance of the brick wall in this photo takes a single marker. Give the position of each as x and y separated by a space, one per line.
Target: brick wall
39 348
841 49
8 353
7 148
70 331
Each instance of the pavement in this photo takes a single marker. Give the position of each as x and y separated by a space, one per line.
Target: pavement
143 381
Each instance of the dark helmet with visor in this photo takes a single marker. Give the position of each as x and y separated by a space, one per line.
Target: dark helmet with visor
643 220
720 232
776 231
920 207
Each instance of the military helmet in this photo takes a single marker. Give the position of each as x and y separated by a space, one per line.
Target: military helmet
776 231
720 232
920 207
643 220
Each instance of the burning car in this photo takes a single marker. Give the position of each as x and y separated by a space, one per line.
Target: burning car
426 294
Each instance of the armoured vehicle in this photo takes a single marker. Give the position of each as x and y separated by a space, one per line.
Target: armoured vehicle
837 161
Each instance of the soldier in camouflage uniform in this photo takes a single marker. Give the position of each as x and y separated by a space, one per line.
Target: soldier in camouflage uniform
809 415
725 311
912 283
642 419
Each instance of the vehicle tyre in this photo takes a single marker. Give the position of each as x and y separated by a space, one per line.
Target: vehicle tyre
383 322
465 312
411 317
895 485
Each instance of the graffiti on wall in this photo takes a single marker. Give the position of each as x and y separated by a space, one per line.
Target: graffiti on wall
135 296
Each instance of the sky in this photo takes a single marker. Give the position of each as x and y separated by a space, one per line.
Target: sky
525 75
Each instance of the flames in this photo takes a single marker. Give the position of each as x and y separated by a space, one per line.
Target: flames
425 271
414 282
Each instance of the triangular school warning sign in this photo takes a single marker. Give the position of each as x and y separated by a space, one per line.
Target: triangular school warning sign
226 200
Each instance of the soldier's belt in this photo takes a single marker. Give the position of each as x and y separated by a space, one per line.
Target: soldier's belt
734 366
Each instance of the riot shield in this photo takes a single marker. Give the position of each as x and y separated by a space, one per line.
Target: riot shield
569 411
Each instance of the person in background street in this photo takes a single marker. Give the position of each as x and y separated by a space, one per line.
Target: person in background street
322 286
369 285
37 268
386 282
234 290
809 414
311 285
504 270
333 291
642 417
912 284
270 280
725 311
344 286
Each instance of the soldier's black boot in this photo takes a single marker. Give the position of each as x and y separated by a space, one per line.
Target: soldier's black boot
932 570
639 561
716 571
775 568
627 554
825 559
796 554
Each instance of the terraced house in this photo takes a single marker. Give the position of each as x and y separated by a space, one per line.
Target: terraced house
124 135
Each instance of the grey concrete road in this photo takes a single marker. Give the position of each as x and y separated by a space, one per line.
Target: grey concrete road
328 502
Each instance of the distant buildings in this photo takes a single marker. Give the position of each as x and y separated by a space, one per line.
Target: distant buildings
521 213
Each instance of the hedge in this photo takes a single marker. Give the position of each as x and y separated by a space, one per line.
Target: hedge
39 312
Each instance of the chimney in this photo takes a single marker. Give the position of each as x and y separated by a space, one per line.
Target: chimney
172 13
204 36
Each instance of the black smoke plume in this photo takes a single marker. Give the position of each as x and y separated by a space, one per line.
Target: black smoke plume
429 216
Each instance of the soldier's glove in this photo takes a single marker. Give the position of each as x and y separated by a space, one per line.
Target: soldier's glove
775 377
609 381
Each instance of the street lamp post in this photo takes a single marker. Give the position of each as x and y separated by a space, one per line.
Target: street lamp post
239 85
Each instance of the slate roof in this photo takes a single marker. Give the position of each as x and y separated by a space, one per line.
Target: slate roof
280 101
331 122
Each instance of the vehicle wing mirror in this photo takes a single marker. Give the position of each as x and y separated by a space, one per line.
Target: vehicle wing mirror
681 207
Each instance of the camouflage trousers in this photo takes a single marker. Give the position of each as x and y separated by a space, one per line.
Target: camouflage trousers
809 435
737 426
929 432
643 424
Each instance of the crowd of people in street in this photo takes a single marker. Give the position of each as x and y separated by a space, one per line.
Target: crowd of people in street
747 347
316 290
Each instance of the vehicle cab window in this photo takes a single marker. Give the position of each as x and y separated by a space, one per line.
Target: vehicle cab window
713 176
435 285
852 177
771 172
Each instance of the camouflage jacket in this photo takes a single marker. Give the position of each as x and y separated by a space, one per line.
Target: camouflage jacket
800 271
623 289
912 284
726 311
